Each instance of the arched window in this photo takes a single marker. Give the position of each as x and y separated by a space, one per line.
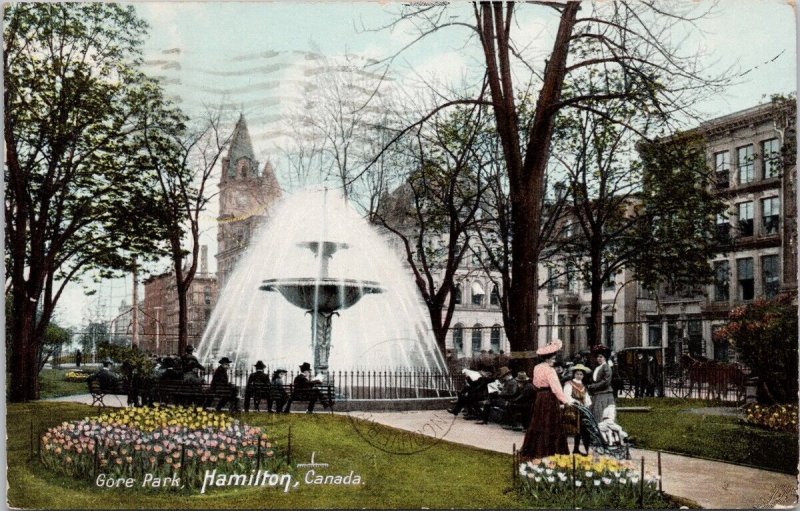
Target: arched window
477 337
477 293
458 338
494 298
495 338
456 293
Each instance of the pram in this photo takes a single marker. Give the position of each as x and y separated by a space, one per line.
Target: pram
596 439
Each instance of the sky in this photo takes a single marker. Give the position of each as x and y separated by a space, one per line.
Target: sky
263 59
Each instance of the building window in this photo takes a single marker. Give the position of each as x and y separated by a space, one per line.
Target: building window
770 215
720 345
207 295
744 274
495 338
770 274
609 283
723 228
457 294
746 219
570 277
722 165
494 298
551 279
458 338
722 281
609 327
477 294
770 152
654 333
744 160
477 337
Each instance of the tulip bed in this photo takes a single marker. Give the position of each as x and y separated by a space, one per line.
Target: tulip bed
775 417
162 441
596 482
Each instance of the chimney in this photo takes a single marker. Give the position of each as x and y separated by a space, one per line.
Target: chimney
204 260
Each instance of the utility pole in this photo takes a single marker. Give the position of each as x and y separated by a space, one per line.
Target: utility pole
135 309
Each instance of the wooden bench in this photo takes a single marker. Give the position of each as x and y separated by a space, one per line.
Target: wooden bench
179 392
324 394
120 388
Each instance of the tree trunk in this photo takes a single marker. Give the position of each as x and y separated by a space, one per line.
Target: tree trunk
527 179
24 350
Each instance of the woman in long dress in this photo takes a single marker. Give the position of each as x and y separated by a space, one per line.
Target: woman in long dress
546 435
603 405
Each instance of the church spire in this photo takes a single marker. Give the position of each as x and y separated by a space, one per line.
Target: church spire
241 146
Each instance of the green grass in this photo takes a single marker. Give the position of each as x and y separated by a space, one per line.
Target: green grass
52 384
443 476
669 427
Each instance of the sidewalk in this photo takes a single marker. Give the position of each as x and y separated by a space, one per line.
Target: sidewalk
710 484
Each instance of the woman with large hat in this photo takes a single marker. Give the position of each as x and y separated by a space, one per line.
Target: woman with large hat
602 392
546 434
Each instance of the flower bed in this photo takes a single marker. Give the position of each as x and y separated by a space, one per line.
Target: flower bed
162 441
776 417
597 482
76 376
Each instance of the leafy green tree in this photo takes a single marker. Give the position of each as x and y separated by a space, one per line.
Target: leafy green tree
76 200
93 334
55 337
653 215
434 212
764 334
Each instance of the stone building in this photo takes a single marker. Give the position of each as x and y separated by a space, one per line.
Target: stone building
247 191
752 153
160 310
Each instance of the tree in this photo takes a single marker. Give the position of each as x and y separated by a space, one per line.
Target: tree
629 37
433 213
73 103
764 334
182 161
94 334
55 337
656 219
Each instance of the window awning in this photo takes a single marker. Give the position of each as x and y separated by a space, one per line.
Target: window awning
477 289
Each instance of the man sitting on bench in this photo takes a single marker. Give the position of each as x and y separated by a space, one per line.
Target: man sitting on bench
221 387
107 378
257 387
305 389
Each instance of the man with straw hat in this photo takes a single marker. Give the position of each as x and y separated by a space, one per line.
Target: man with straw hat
545 435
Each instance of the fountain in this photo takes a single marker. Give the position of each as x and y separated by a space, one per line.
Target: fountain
322 297
317 256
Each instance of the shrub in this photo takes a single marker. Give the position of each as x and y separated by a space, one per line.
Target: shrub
764 335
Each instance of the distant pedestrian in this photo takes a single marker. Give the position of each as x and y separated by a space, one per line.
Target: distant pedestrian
78 358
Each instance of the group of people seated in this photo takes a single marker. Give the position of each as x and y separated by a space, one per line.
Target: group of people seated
181 380
304 388
501 397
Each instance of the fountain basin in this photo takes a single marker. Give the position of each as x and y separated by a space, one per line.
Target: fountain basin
325 295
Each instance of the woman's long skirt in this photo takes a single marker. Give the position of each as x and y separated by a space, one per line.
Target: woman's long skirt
546 435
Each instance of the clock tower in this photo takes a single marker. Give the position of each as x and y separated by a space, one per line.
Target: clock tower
246 195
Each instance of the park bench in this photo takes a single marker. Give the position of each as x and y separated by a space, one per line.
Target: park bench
120 388
179 392
260 392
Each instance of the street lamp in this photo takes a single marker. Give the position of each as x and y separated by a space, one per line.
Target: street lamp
158 328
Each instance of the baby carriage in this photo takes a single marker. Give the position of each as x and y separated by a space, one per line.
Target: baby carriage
598 441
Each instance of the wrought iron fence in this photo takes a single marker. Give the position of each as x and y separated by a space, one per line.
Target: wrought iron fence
412 383
722 382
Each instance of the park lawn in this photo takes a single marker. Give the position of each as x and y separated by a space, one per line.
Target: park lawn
443 476
52 384
670 427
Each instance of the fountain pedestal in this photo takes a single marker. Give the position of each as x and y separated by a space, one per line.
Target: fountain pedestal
322 297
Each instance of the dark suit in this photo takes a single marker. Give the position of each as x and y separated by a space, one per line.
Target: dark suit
500 400
304 389
521 405
220 386
257 387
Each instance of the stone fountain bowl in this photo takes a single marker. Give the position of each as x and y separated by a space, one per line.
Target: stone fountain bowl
328 294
